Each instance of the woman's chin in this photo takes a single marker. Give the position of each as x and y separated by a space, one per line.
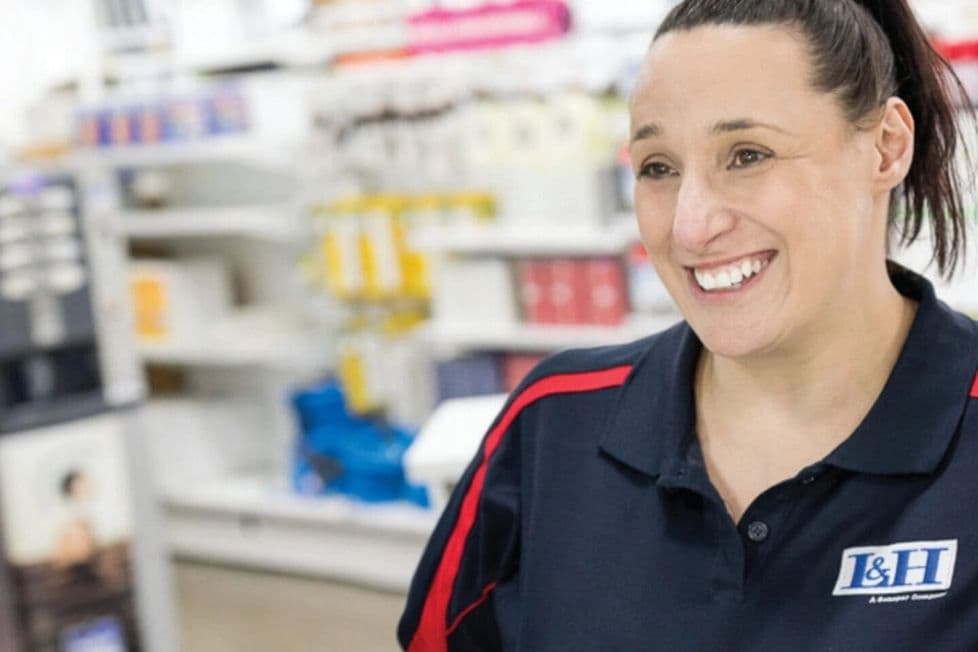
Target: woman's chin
728 341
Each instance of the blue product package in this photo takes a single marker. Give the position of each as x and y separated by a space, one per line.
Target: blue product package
227 111
104 127
339 453
472 376
101 635
374 468
325 425
184 119
321 405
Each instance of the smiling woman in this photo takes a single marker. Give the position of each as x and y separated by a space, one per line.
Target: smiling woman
807 436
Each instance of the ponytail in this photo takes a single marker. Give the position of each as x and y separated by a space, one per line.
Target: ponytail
868 51
925 81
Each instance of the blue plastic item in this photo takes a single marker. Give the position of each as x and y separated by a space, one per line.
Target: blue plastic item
338 453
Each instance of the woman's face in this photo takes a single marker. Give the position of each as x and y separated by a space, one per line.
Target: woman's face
755 193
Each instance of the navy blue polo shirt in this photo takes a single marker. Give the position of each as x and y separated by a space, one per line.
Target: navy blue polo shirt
587 521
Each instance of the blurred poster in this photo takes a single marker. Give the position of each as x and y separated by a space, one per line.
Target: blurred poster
67 526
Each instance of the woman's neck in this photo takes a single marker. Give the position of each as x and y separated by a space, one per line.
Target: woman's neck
760 421
812 392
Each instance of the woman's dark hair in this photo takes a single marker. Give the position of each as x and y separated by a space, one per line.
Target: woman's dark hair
867 51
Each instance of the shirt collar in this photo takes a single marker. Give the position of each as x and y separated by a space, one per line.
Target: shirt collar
908 430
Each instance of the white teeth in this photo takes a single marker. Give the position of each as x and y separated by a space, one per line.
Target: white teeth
706 280
729 277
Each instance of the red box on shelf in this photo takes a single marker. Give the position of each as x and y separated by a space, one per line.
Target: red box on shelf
569 291
534 279
608 294
515 367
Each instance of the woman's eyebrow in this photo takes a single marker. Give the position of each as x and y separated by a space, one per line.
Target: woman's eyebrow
646 131
743 124
652 130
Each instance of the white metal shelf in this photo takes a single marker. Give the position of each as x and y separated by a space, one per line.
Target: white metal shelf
272 222
248 521
210 150
535 337
274 352
535 240
256 336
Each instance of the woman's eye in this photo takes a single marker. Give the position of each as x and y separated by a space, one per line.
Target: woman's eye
746 157
656 171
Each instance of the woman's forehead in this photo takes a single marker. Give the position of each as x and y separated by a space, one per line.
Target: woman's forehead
718 73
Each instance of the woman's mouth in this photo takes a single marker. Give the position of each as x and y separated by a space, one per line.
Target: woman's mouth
730 276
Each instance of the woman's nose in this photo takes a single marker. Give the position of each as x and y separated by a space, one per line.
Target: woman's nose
700 215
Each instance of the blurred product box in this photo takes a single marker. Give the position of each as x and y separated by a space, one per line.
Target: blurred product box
607 293
366 248
381 245
646 291
448 442
408 381
488 25
515 368
375 359
64 501
568 291
423 214
537 300
546 161
340 250
474 292
339 453
361 371
211 112
476 375
963 56
179 301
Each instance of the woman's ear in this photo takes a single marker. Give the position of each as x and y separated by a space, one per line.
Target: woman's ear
894 144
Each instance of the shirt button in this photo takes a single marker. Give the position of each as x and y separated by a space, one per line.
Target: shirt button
757 531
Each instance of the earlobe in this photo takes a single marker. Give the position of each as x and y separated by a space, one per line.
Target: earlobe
894 143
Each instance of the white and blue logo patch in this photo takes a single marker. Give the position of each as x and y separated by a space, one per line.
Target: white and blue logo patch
915 567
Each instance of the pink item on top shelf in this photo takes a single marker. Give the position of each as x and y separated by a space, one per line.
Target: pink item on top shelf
488 26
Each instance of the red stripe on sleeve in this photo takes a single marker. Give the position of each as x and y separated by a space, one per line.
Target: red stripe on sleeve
432 632
974 388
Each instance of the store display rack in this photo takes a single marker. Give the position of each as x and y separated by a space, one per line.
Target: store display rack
233 148
247 521
535 240
538 337
273 222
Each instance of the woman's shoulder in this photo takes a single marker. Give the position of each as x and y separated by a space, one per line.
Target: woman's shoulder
602 363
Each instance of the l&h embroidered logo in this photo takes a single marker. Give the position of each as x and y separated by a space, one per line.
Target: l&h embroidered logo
915 567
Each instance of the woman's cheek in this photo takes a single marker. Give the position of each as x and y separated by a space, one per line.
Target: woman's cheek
654 212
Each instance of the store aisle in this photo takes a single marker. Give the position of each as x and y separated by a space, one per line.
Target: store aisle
225 610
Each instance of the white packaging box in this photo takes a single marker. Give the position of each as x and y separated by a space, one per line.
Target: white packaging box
474 292
194 294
